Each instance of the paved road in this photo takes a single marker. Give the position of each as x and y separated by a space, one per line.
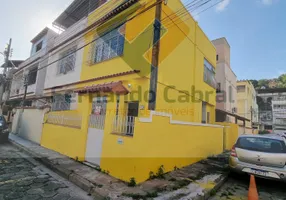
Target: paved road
22 177
236 188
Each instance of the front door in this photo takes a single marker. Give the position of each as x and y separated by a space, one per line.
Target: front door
96 131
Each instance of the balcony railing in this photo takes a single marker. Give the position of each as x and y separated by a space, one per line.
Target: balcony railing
64 119
74 29
123 125
279 102
38 54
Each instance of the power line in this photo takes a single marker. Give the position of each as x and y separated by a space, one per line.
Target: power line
106 32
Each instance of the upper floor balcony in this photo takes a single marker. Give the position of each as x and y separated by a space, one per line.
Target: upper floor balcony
279 102
74 29
279 121
32 59
279 115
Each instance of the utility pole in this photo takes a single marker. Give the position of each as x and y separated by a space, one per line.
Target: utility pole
155 57
6 65
25 91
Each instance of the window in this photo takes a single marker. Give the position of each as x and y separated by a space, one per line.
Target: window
266 145
218 88
230 93
204 112
110 45
61 102
67 63
32 76
209 74
39 46
241 88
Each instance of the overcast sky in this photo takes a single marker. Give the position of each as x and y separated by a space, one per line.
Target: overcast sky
23 20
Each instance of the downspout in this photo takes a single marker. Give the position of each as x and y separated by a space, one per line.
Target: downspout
155 57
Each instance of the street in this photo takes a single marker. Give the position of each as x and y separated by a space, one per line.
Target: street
236 188
21 177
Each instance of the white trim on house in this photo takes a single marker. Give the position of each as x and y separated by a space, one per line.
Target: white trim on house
162 114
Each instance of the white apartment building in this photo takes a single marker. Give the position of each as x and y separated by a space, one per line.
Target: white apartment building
272 107
33 69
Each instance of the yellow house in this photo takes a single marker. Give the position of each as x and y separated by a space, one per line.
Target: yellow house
246 103
146 95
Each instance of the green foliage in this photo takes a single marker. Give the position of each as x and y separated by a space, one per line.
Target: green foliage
279 82
160 173
213 192
263 132
132 182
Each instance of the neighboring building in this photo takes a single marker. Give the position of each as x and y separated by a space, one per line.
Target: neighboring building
65 60
247 104
12 67
272 107
226 83
126 116
33 70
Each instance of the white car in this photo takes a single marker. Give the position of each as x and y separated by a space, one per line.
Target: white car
260 155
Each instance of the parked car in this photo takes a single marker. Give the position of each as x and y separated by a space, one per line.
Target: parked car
260 155
4 131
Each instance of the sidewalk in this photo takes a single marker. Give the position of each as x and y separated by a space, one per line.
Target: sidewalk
197 181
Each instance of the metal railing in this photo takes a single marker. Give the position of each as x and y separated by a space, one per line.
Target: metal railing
123 125
97 121
64 119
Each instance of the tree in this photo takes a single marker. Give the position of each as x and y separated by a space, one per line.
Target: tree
254 83
282 81
263 83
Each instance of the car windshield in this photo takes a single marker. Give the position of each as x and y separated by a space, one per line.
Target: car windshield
261 144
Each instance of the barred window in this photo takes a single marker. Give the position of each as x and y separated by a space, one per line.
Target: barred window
61 102
110 45
209 74
67 63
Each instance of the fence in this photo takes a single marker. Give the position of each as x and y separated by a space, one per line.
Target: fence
123 125
64 119
97 121
28 123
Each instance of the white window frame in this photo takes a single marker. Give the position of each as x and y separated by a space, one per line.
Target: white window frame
209 74
103 49
63 63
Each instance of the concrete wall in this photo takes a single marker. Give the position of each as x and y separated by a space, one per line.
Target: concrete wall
158 141
52 77
30 124
231 133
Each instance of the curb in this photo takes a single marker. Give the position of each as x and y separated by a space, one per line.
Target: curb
208 192
72 177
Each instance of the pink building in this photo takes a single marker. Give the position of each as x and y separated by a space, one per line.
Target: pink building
226 83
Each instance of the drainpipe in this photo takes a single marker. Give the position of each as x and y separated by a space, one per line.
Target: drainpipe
155 57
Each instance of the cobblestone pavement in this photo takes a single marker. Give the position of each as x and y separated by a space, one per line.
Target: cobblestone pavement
236 188
22 177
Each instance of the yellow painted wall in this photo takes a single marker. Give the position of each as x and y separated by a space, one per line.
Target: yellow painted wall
155 144
65 140
245 101
231 133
